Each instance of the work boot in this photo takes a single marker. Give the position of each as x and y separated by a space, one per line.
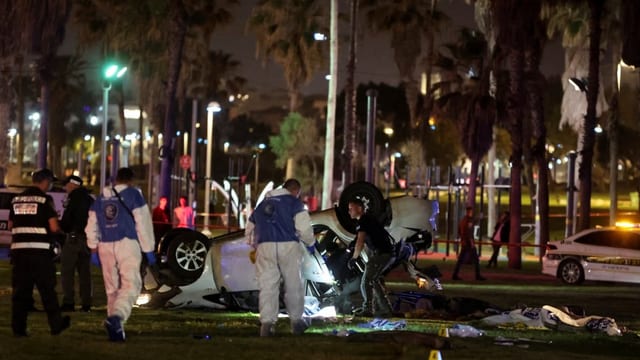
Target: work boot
267 329
113 324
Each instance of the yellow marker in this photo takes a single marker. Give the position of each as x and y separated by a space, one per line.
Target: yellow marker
444 332
435 355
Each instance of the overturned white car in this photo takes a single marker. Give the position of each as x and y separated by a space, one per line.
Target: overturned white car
217 273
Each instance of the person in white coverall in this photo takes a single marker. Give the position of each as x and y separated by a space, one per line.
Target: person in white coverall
118 231
275 229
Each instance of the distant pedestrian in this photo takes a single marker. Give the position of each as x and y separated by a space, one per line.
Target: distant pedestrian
118 231
500 237
275 229
76 256
161 219
468 252
32 221
183 215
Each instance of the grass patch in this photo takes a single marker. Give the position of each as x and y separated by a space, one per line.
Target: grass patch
169 334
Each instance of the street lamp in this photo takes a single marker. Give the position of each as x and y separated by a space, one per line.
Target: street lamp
259 149
111 72
212 108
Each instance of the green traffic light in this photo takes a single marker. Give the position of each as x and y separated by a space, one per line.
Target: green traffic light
114 71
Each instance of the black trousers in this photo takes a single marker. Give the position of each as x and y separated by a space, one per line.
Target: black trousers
33 267
76 256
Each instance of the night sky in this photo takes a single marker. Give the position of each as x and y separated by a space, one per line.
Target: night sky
375 58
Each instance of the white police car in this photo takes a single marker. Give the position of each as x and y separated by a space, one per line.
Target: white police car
604 254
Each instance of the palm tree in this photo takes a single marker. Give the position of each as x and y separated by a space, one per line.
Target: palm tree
512 21
350 93
590 122
583 23
285 34
68 97
38 28
534 82
329 152
469 105
161 22
410 22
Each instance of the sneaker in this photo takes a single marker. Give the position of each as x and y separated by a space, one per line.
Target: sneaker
113 324
67 308
267 329
20 334
298 327
85 308
66 322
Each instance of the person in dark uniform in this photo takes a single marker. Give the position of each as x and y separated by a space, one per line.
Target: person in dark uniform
76 256
380 255
32 221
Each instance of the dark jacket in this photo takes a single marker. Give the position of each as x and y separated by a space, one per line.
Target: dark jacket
76 213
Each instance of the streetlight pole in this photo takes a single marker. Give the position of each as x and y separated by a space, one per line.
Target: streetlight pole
103 152
111 72
212 108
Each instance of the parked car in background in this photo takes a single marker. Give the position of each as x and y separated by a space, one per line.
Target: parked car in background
7 194
605 254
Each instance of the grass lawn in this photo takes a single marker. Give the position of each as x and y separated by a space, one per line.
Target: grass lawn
178 334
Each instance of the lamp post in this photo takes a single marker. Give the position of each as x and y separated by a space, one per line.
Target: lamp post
257 168
212 108
111 72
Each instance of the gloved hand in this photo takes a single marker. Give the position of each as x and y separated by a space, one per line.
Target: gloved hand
95 259
151 258
352 264
252 256
311 249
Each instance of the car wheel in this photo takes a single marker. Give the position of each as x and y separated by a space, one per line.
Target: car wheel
373 199
168 238
571 272
187 254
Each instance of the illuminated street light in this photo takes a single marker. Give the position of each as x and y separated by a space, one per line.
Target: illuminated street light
212 108
111 72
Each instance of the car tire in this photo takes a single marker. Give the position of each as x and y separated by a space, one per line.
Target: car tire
571 272
168 238
187 253
376 204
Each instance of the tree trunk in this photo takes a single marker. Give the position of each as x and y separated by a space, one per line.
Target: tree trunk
176 47
539 154
473 181
44 124
584 173
20 119
613 158
4 122
329 147
514 111
349 149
